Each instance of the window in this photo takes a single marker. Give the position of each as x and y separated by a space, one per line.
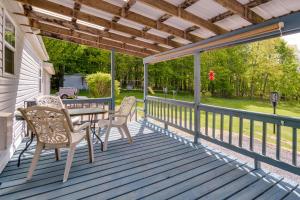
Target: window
9 42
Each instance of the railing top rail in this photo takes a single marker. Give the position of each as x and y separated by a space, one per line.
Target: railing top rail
172 101
271 118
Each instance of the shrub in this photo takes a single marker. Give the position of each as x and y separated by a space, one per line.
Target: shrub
99 84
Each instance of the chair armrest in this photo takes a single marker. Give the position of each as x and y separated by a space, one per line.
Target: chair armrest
82 127
117 115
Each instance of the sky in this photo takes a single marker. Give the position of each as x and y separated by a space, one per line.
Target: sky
293 39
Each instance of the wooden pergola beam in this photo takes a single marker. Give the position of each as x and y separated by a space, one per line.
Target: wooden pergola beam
60 9
89 43
244 11
83 28
250 5
182 13
135 17
82 36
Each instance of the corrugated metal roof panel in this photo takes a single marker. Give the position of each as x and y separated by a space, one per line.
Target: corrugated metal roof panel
119 33
119 3
159 33
175 2
180 40
277 8
144 40
96 12
233 22
146 10
206 9
67 3
203 33
131 24
178 23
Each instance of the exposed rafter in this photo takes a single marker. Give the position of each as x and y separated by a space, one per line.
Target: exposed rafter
180 12
89 43
83 36
83 28
57 8
187 3
76 8
244 11
250 5
135 17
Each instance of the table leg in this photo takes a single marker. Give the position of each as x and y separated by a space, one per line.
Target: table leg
93 127
28 143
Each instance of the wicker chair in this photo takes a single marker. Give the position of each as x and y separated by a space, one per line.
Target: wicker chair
54 129
54 102
118 119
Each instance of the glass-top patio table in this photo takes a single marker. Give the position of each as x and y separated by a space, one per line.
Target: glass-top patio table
92 112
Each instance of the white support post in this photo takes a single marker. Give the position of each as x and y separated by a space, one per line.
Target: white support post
145 89
113 74
197 86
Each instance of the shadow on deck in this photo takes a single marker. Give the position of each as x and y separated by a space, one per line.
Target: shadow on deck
158 165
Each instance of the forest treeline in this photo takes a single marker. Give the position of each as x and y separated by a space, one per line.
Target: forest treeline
248 70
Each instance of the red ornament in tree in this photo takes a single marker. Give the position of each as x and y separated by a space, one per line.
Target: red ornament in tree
211 75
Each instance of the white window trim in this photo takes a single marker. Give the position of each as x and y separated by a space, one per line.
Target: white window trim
6 44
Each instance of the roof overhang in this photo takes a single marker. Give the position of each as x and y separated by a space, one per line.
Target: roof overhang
280 26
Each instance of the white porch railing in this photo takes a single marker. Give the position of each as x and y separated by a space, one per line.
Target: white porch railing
180 114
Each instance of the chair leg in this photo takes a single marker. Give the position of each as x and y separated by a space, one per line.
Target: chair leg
127 133
90 145
106 138
57 153
69 161
121 132
35 159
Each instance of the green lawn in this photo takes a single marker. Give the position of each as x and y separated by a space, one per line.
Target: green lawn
291 109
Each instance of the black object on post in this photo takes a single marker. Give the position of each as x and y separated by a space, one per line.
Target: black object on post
274 97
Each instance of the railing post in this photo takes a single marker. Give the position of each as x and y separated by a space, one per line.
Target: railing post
145 89
197 86
113 73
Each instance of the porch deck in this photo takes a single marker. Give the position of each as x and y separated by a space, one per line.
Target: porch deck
158 165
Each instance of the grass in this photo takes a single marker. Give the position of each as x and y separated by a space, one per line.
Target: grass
291 109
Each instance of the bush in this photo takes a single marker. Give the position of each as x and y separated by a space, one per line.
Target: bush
99 85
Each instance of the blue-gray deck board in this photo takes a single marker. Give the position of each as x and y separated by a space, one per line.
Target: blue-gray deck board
155 166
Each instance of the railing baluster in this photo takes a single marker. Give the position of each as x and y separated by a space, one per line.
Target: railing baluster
264 139
180 116
191 119
278 142
185 116
176 115
161 109
168 109
172 118
165 117
241 129
206 123
222 127
294 146
214 125
230 129
251 134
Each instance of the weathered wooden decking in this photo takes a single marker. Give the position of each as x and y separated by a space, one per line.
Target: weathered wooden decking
157 165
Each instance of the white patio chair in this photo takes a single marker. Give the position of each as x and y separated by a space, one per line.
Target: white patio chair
54 102
118 119
54 129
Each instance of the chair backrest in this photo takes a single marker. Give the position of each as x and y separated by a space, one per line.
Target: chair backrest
52 126
126 105
50 101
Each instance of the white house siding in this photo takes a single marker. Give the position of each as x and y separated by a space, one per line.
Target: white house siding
23 86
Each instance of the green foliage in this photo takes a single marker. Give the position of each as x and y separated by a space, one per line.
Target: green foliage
100 84
249 70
